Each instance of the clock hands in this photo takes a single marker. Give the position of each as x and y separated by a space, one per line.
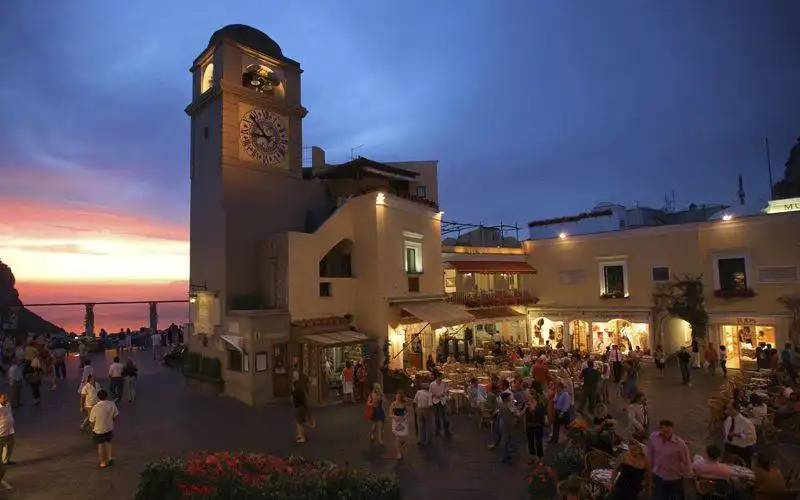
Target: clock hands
263 134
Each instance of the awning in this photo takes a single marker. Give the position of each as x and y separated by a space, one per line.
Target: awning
490 266
437 312
337 338
498 313
235 341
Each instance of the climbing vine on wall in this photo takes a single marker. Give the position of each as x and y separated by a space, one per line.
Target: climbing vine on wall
684 298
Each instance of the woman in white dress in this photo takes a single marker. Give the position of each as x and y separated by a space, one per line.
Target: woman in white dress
399 413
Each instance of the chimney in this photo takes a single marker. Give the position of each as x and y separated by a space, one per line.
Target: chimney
741 190
317 157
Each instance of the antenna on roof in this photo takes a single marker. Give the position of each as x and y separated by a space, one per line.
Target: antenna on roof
353 151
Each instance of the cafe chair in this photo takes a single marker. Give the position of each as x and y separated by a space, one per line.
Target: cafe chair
596 459
767 429
711 489
732 459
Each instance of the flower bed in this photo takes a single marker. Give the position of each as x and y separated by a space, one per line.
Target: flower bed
251 476
542 482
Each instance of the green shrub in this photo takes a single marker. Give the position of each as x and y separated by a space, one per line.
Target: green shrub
212 368
250 476
191 363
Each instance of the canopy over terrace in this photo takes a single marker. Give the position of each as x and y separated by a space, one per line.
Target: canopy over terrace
414 335
437 313
491 266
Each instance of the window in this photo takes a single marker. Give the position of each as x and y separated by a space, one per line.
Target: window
614 280
660 273
732 274
422 192
235 362
324 289
413 257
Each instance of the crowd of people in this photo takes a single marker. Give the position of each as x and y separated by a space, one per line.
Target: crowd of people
553 390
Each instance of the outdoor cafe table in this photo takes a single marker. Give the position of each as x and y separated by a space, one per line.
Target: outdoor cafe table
459 397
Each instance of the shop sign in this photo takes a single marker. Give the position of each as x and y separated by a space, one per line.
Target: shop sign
780 206
746 321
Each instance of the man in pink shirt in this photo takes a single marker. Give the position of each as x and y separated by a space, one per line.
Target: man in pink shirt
669 458
710 467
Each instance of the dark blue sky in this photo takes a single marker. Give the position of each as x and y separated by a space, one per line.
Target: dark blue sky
533 108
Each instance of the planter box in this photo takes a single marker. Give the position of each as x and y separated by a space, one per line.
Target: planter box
205 385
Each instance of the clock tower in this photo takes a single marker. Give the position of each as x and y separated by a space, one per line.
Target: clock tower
246 160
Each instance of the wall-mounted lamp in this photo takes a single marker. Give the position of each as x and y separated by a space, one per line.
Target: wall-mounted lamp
727 217
192 299
380 199
439 215
562 235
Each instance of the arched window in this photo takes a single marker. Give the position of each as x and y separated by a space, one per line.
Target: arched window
337 263
208 78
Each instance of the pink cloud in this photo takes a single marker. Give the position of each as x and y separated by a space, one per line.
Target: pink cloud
28 219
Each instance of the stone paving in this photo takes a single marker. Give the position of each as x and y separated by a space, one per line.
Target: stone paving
55 460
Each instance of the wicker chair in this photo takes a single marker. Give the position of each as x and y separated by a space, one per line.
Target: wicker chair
596 459
709 489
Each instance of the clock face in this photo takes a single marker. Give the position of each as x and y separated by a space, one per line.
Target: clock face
263 136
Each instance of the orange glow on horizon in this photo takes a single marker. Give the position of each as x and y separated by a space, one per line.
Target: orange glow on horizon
53 244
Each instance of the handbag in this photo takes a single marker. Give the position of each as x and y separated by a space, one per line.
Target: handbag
368 409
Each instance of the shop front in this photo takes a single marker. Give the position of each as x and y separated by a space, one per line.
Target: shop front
427 328
741 335
546 331
320 352
591 330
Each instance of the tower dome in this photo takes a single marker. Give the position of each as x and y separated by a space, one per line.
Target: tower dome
249 37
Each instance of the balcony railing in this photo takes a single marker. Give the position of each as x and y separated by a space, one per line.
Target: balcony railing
492 298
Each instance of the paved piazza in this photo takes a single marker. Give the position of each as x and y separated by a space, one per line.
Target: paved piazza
55 460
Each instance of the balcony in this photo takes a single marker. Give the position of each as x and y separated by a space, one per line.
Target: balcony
492 298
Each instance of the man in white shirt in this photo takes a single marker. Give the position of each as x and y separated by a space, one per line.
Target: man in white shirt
155 338
89 391
15 383
740 435
103 416
6 430
88 370
439 391
115 382
423 406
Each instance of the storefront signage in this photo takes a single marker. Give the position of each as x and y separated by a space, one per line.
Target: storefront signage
746 321
593 315
780 206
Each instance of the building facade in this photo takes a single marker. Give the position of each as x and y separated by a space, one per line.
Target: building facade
599 287
296 270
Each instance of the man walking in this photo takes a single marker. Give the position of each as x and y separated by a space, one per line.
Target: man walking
116 382
787 356
615 358
15 383
670 462
439 392
684 359
102 416
591 379
424 411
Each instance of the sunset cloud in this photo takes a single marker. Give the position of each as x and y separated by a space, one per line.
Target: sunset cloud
80 243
